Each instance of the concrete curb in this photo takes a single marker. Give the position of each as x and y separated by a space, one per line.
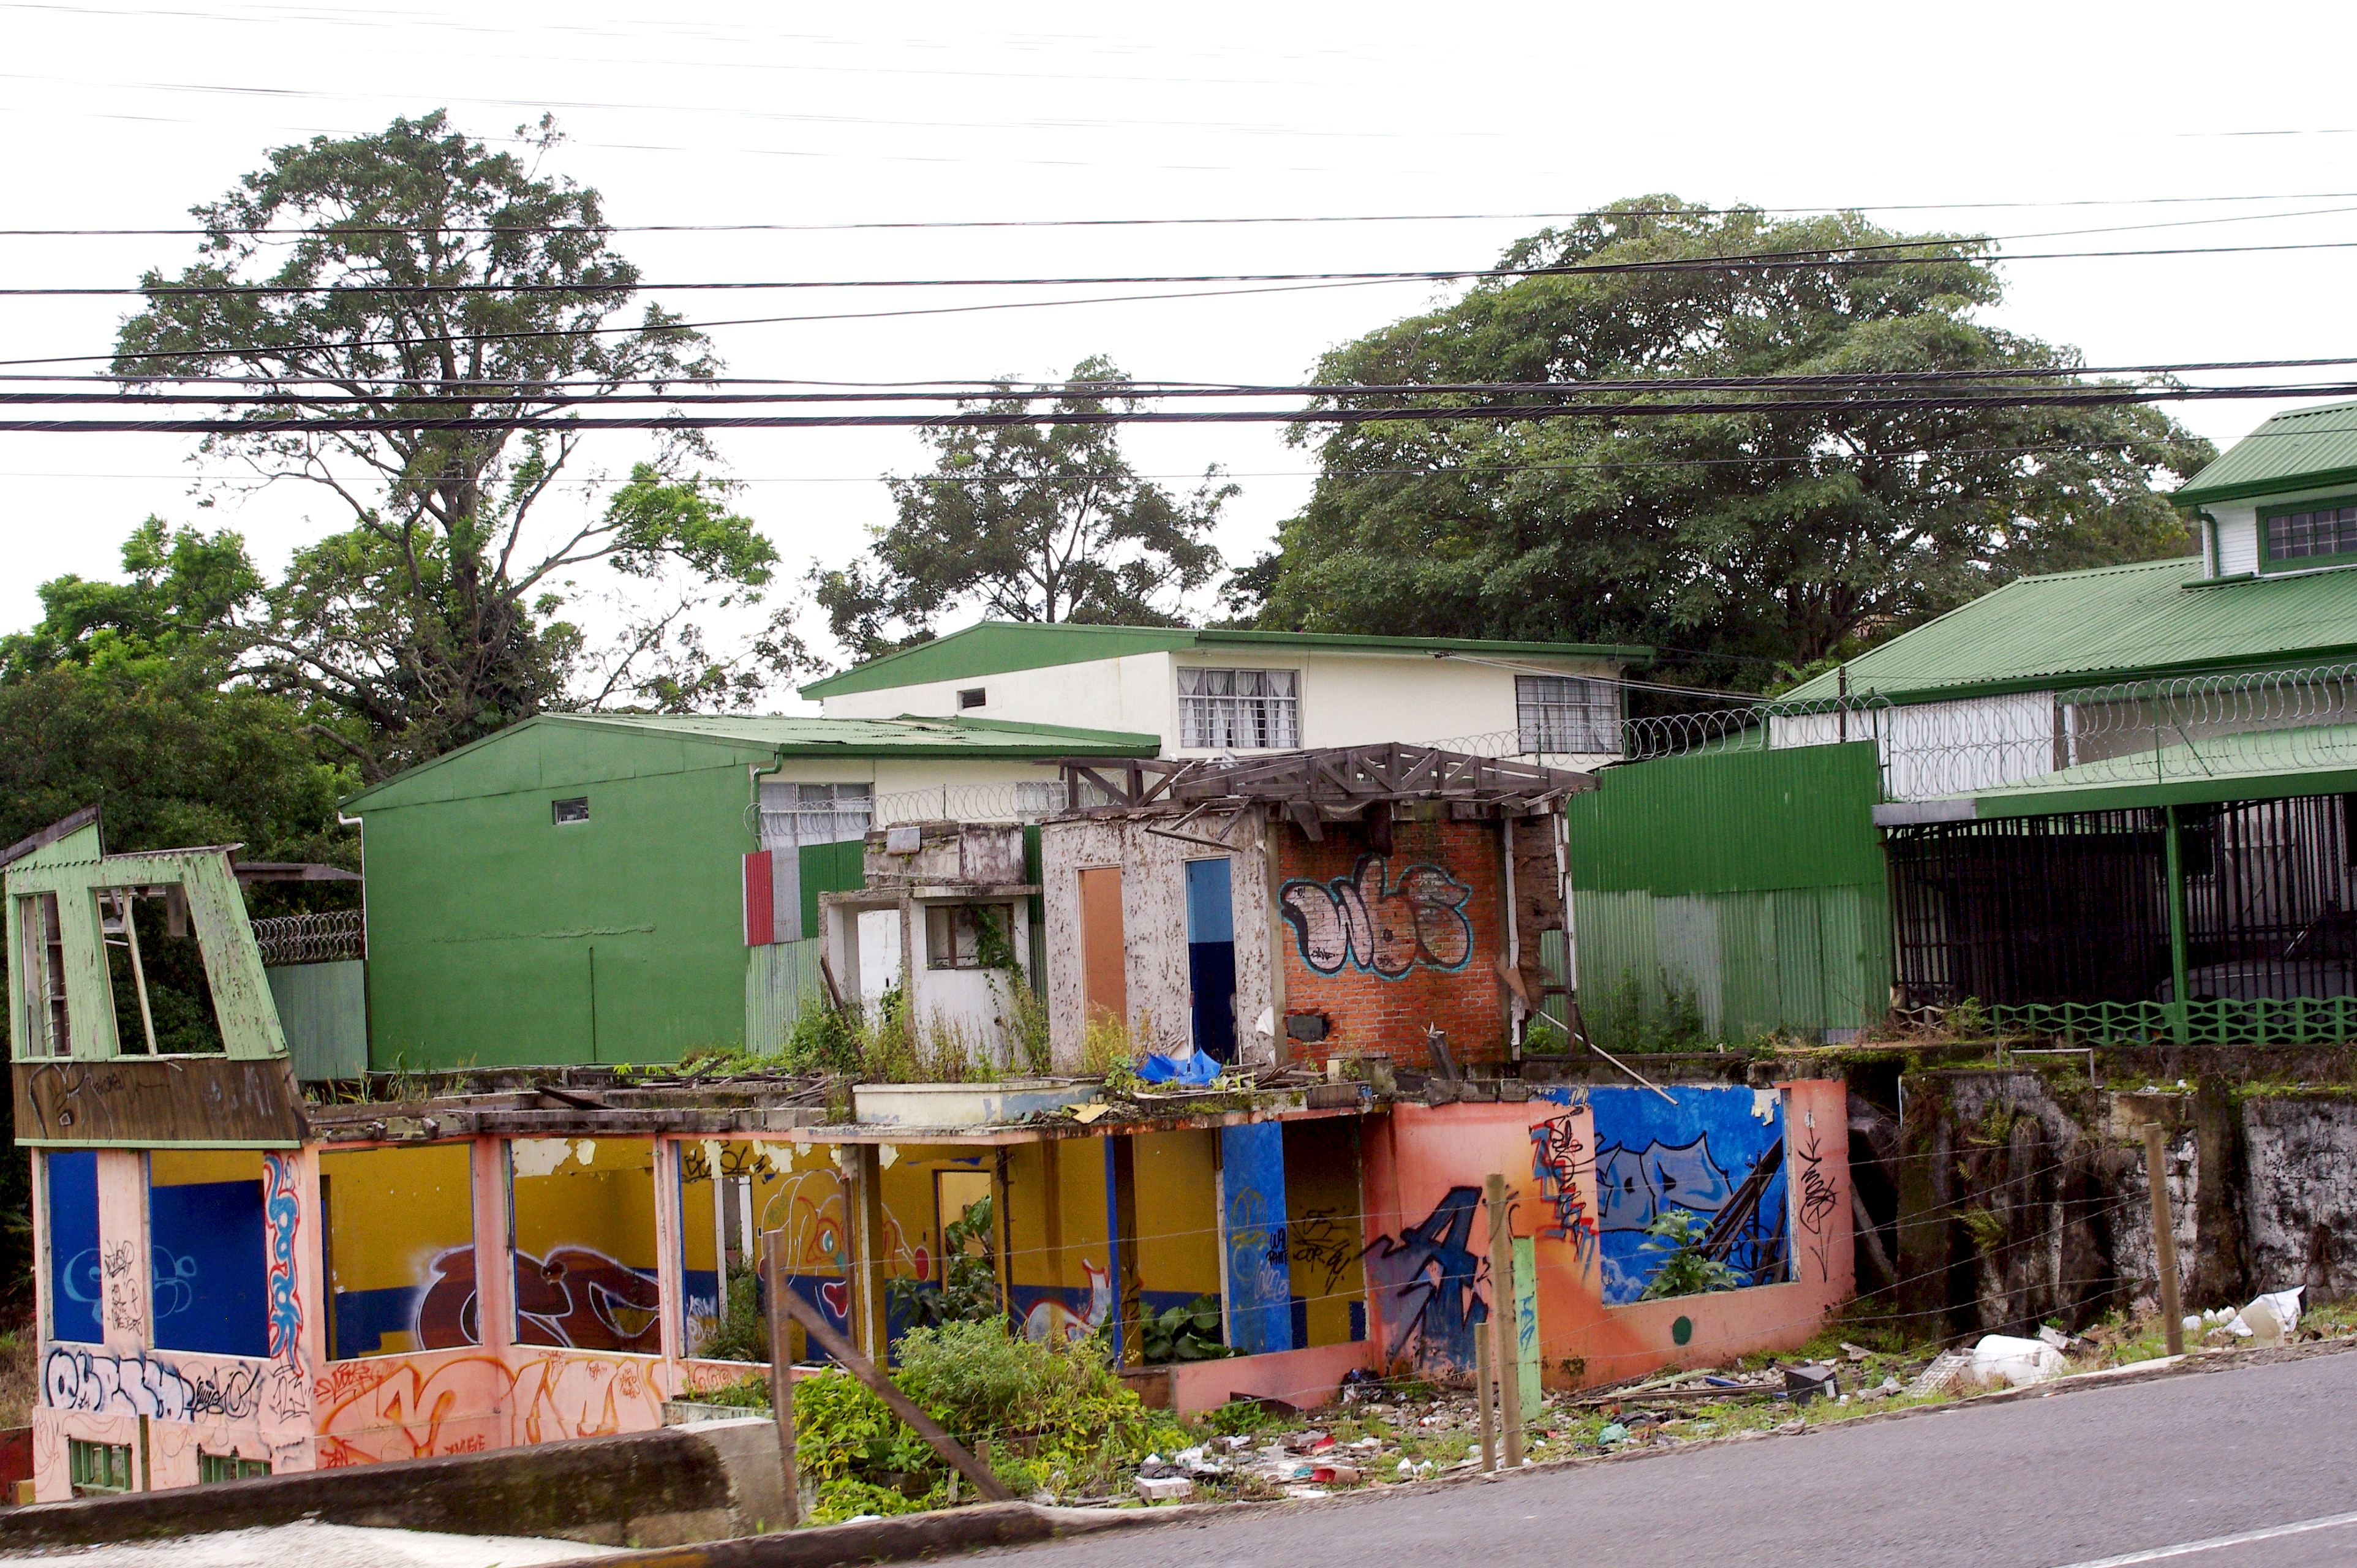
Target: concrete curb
897 1539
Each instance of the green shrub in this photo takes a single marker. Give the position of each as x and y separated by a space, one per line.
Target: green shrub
1189 1333
743 1332
968 1291
1051 1413
1685 1271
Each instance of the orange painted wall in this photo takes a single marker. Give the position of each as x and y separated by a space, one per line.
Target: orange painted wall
1427 1235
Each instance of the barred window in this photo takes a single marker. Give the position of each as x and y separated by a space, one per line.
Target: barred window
796 814
1565 714
1238 710
2327 531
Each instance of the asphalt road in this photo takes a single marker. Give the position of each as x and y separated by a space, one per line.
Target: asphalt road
2183 1470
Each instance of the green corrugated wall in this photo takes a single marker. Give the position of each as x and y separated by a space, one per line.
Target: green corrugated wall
1749 884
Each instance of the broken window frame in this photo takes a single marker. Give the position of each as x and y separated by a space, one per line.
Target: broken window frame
42 984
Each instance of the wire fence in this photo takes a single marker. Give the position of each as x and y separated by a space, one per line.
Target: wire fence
326 936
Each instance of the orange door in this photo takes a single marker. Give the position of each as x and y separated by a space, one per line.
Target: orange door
1105 988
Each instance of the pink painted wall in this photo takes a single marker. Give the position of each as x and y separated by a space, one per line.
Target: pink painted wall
1428 1240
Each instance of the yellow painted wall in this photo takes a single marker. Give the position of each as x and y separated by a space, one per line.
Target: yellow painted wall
391 1211
192 1167
601 1195
1177 1212
1324 1236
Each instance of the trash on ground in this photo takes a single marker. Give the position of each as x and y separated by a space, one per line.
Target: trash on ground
2000 1358
1165 1488
1947 1369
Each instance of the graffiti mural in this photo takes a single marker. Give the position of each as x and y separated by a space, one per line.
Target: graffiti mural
1715 1152
1559 1158
1050 1318
1425 1284
121 1290
1818 1199
100 1384
1369 922
575 1297
282 1214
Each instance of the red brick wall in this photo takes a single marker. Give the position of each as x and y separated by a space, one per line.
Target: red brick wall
1425 952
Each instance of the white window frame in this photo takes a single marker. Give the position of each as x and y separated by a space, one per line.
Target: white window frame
1582 711
794 813
1218 712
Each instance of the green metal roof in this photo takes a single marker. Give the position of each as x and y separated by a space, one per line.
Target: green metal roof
2307 449
994 647
780 735
2109 623
2316 759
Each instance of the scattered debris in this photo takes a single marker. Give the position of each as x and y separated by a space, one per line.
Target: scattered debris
2000 1358
1165 1488
1947 1369
1854 1352
1806 1383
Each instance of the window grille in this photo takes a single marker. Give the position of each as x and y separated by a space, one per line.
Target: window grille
1239 710
98 1469
1567 716
796 814
211 1467
2327 531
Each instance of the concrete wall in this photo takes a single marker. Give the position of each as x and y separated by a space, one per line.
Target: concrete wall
1154 927
1428 1238
1346 699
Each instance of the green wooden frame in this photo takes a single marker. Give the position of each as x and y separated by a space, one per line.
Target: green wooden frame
76 868
2268 564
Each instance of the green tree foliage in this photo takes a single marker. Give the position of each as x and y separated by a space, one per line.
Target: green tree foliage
125 696
1761 538
1028 522
410 277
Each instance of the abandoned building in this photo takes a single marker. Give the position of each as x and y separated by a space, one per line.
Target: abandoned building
235 1278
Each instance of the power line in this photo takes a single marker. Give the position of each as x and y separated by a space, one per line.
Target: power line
1278 220
1513 413
995 387
1766 261
137 395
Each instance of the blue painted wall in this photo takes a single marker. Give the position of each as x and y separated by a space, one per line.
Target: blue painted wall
1212 957
1651 1156
1260 1278
212 1267
75 1290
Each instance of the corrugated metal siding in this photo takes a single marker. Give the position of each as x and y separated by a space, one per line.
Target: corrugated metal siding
1730 821
323 1011
777 977
1748 886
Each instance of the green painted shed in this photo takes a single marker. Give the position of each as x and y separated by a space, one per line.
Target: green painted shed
574 888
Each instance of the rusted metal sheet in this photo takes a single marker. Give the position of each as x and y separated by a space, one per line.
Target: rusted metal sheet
221 1101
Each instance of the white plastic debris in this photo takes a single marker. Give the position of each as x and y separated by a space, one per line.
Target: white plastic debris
1165 1488
2016 1363
2270 1319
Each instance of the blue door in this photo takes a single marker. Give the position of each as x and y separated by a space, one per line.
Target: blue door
1211 957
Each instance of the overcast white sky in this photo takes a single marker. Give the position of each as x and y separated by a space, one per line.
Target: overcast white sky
124 115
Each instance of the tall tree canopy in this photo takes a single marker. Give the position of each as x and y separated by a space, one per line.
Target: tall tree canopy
1028 522
412 277
125 697
1753 538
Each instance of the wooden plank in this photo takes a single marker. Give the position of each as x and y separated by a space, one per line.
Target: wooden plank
137 1100
815 1324
782 1366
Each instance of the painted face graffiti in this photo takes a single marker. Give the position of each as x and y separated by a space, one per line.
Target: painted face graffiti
1382 928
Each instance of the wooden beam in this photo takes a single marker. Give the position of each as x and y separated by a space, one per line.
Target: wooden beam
815 1324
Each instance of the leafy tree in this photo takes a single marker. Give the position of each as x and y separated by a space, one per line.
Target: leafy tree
1028 522
125 697
410 277
1781 536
